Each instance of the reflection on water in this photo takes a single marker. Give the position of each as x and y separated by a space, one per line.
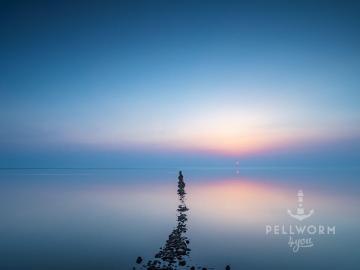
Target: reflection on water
104 219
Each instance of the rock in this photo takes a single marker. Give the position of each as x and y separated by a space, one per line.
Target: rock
139 260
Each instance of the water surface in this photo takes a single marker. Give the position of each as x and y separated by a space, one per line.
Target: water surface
105 219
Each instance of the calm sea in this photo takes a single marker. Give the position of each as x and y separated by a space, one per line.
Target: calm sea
106 218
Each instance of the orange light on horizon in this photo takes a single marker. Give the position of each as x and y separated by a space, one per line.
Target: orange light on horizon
238 201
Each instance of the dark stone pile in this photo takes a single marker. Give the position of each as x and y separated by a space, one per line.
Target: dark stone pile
174 254
176 247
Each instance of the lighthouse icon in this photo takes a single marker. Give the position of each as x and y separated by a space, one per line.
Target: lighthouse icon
300 212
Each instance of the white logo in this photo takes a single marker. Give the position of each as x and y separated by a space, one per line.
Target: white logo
300 212
300 235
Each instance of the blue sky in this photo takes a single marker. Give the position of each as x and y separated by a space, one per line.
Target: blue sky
179 82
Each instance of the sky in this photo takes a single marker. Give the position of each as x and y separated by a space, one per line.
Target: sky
170 83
